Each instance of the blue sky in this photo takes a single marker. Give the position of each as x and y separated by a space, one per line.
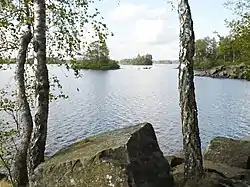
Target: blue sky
147 26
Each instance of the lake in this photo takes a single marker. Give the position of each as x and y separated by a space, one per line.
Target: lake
104 100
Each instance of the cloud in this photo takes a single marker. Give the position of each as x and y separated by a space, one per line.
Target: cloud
141 28
127 11
154 26
162 52
155 32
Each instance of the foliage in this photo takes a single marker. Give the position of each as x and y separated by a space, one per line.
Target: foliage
97 50
228 50
139 60
9 130
66 23
97 58
100 64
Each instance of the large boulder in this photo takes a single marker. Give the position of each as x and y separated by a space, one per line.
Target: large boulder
229 151
128 157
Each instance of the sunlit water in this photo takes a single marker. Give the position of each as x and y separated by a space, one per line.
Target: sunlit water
104 100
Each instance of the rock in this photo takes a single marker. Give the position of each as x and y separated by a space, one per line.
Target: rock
175 160
229 151
243 177
3 176
240 71
216 175
246 138
128 157
214 71
209 180
201 73
223 169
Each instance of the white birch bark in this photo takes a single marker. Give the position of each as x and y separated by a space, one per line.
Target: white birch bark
19 167
38 142
190 130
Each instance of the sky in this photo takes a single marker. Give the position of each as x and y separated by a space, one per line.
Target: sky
147 26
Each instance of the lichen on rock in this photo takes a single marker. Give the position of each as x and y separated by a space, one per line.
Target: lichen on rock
128 157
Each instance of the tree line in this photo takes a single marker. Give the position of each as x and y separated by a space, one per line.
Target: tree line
232 49
138 60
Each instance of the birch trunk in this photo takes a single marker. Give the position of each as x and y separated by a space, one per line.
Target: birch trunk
19 167
38 142
190 130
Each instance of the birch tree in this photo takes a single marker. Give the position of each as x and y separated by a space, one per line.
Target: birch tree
193 166
65 25
19 170
37 147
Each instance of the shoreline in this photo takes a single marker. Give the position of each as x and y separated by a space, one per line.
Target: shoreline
240 72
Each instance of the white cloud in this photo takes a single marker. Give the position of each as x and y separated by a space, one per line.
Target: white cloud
141 28
162 52
127 11
154 26
155 32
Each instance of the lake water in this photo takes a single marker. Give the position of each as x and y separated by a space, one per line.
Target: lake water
105 100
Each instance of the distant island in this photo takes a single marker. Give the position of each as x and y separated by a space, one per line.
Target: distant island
166 61
139 60
95 58
100 64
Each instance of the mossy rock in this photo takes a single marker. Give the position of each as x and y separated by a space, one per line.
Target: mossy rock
229 151
212 178
128 157
223 169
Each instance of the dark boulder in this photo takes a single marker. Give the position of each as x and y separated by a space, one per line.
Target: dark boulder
128 157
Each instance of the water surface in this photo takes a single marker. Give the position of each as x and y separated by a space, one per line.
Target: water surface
104 100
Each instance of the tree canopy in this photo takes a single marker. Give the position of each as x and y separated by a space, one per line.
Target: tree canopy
231 49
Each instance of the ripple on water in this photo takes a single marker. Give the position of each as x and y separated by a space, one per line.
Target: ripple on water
114 99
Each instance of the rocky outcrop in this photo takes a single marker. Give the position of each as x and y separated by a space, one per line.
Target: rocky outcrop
210 179
216 175
229 151
240 71
128 157
226 164
223 169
